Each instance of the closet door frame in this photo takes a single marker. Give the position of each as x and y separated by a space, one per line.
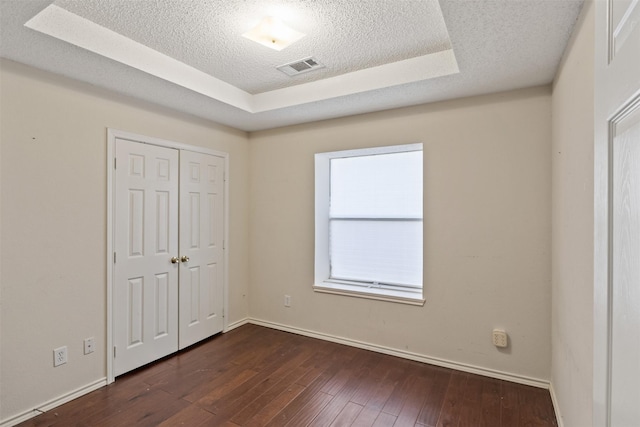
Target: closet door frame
112 135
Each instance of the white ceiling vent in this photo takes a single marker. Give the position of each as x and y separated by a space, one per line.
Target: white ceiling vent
300 66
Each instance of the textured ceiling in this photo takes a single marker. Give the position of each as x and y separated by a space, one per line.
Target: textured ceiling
343 35
379 54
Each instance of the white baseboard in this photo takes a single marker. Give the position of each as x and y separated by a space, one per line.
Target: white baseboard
53 403
492 373
556 405
231 326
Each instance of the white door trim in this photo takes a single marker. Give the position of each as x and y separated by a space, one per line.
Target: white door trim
112 134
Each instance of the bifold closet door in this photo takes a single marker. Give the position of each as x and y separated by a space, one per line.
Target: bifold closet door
145 290
201 246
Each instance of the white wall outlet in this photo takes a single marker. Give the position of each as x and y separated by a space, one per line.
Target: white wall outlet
500 338
89 345
287 300
60 356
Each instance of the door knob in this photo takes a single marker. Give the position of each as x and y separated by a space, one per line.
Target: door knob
184 258
174 260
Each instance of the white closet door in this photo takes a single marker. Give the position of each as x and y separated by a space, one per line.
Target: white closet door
146 238
201 251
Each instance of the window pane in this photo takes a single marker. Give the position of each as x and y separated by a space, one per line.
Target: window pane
382 251
384 185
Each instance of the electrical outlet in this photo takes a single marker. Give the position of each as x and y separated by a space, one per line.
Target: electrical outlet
60 356
499 338
89 345
287 300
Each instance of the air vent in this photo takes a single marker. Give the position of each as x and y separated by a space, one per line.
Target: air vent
300 66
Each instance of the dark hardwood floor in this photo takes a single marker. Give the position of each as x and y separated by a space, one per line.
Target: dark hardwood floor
255 376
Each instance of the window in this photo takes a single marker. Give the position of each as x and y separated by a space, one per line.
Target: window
369 223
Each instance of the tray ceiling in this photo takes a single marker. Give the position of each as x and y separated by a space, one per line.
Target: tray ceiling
189 55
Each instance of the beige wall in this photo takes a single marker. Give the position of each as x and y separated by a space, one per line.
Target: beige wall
572 218
487 230
53 222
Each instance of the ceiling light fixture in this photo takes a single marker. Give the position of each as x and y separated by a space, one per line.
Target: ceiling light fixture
272 33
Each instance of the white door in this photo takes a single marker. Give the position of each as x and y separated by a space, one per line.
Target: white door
617 115
145 289
201 246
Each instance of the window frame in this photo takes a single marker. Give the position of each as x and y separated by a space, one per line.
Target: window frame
322 268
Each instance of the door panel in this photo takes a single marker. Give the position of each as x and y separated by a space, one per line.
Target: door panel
625 15
625 283
201 226
146 237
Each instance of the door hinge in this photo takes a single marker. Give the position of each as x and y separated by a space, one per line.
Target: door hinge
114 257
114 163
224 245
114 351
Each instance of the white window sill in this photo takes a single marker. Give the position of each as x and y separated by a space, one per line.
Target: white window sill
390 295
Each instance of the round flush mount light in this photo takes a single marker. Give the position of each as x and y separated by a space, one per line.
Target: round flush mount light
273 33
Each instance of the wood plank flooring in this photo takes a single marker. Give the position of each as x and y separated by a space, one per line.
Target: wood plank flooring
255 376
